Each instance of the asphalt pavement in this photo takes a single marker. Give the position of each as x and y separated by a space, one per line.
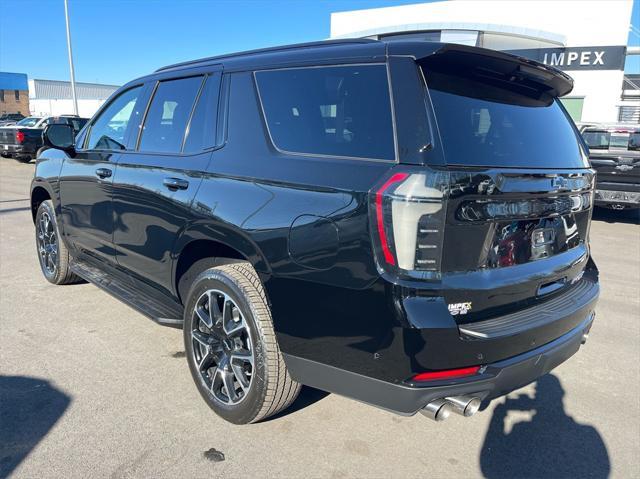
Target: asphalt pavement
91 388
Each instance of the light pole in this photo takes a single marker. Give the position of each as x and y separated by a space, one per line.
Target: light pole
73 75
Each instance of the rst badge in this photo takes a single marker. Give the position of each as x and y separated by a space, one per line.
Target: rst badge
459 308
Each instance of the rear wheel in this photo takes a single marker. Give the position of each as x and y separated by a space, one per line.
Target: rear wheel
52 252
23 159
231 346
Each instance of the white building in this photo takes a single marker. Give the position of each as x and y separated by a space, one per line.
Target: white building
588 40
53 97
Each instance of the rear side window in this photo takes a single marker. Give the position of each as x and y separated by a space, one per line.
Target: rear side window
482 124
201 133
108 131
166 120
340 111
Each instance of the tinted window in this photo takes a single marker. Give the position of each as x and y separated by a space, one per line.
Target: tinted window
202 128
337 111
483 124
109 130
167 118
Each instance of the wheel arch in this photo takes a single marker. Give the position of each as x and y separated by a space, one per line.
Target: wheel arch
39 194
203 242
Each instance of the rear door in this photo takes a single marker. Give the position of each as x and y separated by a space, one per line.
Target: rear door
155 184
519 195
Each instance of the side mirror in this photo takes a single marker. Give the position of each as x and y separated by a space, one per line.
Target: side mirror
59 136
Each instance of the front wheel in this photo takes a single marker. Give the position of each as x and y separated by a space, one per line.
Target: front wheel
231 346
52 252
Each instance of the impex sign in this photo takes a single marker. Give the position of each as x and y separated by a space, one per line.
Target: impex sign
578 58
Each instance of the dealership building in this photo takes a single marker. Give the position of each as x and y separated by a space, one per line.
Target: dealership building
587 40
53 97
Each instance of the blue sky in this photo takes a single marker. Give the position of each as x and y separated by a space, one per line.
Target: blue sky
117 40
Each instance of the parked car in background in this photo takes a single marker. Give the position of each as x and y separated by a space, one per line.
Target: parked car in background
374 219
615 155
23 140
10 118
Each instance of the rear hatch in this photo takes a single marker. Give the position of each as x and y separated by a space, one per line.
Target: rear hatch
615 155
503 221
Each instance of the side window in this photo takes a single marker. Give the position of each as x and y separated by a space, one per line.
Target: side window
202 128
166 120
336 111
108 131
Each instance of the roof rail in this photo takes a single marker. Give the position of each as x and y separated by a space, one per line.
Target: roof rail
294 46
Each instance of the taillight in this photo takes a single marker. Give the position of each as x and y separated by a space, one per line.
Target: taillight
447 374
19 137
407 209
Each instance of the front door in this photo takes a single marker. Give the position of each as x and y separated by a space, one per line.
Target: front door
86 178
155 185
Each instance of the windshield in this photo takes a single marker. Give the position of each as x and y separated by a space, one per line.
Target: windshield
607 139
30 121
482 123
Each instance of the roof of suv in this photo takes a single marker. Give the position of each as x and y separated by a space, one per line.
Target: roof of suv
552 80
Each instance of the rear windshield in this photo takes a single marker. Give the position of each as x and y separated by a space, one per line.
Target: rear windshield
482 124
604 140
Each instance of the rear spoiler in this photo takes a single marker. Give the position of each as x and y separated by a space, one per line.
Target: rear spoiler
474 62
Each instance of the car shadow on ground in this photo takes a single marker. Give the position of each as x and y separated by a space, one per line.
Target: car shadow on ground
548 444
29 408
617 216
307 397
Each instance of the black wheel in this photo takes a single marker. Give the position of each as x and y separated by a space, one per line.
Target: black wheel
23 159
52 252
231 346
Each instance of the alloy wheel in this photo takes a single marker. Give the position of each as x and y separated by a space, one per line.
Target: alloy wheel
47 244
222 349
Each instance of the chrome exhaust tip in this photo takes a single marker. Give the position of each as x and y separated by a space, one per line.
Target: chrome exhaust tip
437 410
585 336
466 406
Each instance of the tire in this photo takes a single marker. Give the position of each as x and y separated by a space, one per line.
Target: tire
53 254
23 159
233 324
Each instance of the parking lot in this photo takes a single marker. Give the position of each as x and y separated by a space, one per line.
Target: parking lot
90 388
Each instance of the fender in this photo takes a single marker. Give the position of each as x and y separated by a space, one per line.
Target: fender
222 233
47 175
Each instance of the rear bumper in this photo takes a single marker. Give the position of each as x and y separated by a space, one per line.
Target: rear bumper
617 197
15 150
495 379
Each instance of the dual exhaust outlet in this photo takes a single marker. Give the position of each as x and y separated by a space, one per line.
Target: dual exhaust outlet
441 409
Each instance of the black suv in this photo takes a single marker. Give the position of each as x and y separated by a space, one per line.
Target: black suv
403 223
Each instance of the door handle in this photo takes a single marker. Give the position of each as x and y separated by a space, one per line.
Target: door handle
176 184
103 173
